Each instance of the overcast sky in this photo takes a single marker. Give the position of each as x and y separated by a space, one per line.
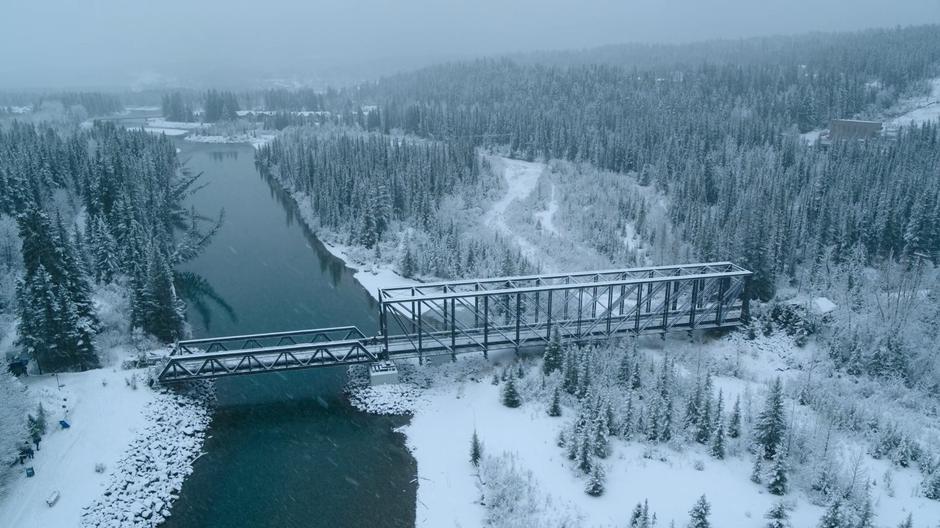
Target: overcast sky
75 43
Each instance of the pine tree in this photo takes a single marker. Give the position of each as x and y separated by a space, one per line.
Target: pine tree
704 425
624 371
640 518
510 397
636 380
770 428
834 517
778 484
734 425
866 516
778 516
554 409
595 483
570 383
698 515
552 358
476 449
756 470
717 447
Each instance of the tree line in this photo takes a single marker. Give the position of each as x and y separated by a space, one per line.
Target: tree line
93 207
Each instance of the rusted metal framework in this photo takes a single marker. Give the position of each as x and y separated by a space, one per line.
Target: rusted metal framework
488 314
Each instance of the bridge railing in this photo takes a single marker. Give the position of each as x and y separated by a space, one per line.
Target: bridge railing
273 339
269 359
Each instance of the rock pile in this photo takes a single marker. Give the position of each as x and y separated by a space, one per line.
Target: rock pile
148 479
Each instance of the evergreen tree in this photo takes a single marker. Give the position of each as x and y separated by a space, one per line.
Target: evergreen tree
698 515
734 424
866 516
552 358
770 428
625 371
907 523
778 516
510 396
778 484
834 517
554 409
717 447
756 470
570 383
476 449
595 483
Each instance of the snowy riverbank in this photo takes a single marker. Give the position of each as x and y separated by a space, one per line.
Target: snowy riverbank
449 401
143 442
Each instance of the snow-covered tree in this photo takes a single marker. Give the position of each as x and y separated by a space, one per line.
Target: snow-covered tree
552 359
834 517
770 428
698 515
778 517
734 423
476 449
510 395
554 408
778 483
12 422
595 482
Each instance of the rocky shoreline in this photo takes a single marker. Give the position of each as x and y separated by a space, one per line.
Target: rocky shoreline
149 476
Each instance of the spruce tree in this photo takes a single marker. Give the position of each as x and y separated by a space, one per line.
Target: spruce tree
778 516
595 482
510 396
778 483
834 517
717 448
907 523
866 516
554 409
757 470
734 424
476 449
698 515
552 358
770 428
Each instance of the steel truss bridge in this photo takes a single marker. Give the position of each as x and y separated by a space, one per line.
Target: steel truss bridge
482 315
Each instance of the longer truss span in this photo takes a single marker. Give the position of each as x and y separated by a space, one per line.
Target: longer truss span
448 318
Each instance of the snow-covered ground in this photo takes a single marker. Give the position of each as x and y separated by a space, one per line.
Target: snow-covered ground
255 140
919 109
546 218
109 422
449 401
521 178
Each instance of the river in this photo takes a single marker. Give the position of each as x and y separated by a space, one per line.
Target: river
284 450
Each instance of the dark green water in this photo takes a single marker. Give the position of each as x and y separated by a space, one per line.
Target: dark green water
286 450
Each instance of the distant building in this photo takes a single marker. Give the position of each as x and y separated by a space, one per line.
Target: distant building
849 129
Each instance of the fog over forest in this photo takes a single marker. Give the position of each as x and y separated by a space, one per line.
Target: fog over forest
116 43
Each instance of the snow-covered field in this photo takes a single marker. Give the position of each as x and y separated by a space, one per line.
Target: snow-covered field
919 109
521 179
112 424
450 401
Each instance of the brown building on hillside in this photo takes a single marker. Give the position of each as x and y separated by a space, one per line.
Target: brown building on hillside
849 129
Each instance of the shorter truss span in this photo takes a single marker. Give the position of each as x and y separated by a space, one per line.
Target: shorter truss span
448 318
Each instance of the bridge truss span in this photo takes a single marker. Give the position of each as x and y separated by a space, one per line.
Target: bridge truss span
525 311
448 318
